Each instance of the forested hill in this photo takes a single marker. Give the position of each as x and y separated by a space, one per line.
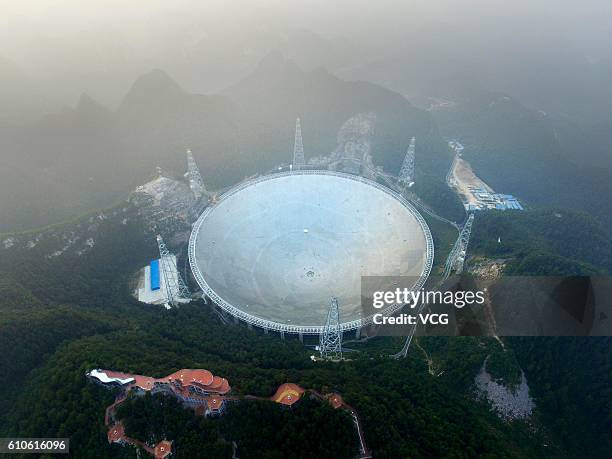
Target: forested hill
64 313
544 242
517 150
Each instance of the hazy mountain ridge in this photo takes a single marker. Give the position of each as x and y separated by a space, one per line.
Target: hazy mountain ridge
85 122
518 151
278 91
90 156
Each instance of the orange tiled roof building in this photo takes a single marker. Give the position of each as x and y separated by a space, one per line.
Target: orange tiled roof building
288 394
199 389
204 393
116 434
195 388
185 381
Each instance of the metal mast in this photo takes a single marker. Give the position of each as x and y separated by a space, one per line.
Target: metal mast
406 176
298 147
195 179
464 240
330 344
176 289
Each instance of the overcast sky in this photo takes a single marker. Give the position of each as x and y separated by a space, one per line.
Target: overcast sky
99 46
586 21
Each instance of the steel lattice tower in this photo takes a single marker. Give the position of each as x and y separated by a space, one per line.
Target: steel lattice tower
406 176
464 239
195 179
176 289
330 344
298 147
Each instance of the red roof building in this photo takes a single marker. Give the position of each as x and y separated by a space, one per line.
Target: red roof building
201 391
116 434
197 388
335 400
288 393
215 406
163 449
184 383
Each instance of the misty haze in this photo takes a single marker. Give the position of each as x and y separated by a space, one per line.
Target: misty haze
192 192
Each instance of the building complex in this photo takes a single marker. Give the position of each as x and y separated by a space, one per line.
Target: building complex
485 199
197 389
201 391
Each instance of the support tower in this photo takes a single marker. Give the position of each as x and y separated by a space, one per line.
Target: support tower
406 176
464 239
330 344
195 179
176 289
298 147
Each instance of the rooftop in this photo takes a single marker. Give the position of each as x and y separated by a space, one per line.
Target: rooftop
163 449
335 400
200 378
116 433
214 403
288 394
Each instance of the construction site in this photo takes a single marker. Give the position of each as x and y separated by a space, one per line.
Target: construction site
474 192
